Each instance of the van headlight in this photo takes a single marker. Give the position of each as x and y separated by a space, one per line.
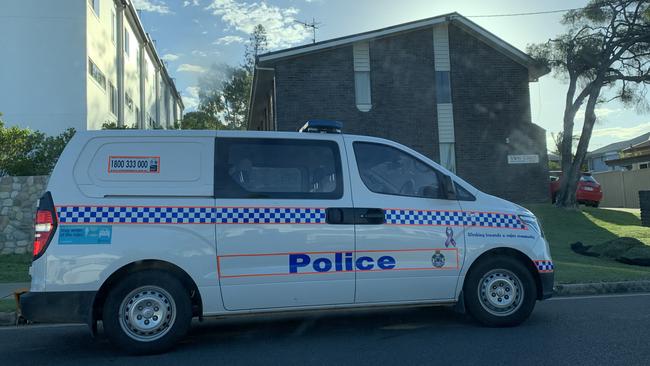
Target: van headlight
532 223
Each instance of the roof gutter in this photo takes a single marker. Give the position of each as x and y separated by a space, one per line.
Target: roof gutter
253 92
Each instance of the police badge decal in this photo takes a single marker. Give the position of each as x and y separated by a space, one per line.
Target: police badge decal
438 259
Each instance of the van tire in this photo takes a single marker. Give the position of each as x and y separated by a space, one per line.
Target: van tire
514 293
138 310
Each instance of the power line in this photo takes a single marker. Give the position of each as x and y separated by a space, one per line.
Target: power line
596 5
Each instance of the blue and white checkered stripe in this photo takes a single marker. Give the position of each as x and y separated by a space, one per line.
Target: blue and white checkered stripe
188 215
453 218
545 266
269 215
493 219
414 217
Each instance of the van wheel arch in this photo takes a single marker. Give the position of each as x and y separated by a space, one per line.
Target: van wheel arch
143 265
513 253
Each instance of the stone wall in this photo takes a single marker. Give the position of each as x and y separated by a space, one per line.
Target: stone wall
18 199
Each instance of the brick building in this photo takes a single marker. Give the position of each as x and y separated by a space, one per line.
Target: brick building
443 86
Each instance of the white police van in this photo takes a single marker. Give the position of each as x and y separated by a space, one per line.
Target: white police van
145 230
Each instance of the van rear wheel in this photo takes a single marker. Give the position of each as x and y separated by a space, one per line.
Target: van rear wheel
147 312
500 292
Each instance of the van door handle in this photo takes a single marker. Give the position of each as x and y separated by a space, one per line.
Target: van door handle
370 216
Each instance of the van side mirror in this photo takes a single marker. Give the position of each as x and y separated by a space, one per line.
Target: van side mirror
448 187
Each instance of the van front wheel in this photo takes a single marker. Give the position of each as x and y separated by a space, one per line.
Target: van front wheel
500 292
147 312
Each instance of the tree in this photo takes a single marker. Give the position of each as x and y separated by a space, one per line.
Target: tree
27 152
199 121
606 50
257 44
224 93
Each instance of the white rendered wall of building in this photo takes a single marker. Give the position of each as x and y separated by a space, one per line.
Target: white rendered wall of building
150 91
101 49
131 75
43 64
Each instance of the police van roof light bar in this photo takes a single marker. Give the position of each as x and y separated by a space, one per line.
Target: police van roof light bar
321 126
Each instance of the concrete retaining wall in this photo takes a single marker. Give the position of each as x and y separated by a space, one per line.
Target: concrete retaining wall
18 199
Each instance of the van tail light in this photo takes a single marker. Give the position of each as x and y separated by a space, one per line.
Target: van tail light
44 225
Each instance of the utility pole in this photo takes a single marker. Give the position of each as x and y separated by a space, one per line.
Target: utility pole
313 26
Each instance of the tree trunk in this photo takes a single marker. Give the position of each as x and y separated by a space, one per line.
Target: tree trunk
571 176
570 110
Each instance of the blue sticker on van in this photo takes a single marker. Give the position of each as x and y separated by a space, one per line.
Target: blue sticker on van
85 234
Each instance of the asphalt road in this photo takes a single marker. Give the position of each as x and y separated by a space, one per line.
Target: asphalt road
578 331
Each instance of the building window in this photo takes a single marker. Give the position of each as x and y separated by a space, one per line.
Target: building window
126 42
128 101
387 170
112 98
278 169
643 166
443 87
96 74
95 5
361 56
113 26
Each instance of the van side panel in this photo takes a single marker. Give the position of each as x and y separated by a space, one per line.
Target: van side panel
155 205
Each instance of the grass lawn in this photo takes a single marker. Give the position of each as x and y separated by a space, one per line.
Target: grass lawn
14 267
7 305
590 226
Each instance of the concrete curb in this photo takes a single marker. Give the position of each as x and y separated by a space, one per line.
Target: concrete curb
601 288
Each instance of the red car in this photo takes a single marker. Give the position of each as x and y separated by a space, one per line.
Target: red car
588 192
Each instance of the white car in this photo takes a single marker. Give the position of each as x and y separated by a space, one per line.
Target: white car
145 230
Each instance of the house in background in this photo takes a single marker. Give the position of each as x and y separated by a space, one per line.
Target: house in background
634 157
81 63
443 86
597 160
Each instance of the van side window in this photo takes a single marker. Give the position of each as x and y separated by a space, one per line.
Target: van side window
387 170
277 168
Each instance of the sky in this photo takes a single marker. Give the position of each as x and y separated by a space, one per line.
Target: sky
193 36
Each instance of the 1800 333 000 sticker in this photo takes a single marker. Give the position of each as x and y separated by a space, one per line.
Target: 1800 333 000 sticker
134 164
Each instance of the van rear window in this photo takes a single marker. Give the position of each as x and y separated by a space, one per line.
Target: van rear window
277 168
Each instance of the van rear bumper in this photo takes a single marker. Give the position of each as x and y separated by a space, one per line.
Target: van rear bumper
57 307
547 280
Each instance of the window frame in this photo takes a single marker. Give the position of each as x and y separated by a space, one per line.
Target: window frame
439 174
221 157
95 6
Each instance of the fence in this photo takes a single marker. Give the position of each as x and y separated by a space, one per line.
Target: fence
18 198
621 189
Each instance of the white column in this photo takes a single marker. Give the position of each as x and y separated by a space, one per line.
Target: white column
444 106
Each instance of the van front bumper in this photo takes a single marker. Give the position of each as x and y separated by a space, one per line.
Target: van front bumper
57 307
547 281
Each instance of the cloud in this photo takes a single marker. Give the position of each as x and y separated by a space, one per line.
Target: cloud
154 6
281 28
188 3
601 113
226 40
191 97
191 68
199 53
622 133
170 57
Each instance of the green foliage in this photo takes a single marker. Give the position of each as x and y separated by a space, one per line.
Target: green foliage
15 267
199 121
224 93
115 126
603 55
27 152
